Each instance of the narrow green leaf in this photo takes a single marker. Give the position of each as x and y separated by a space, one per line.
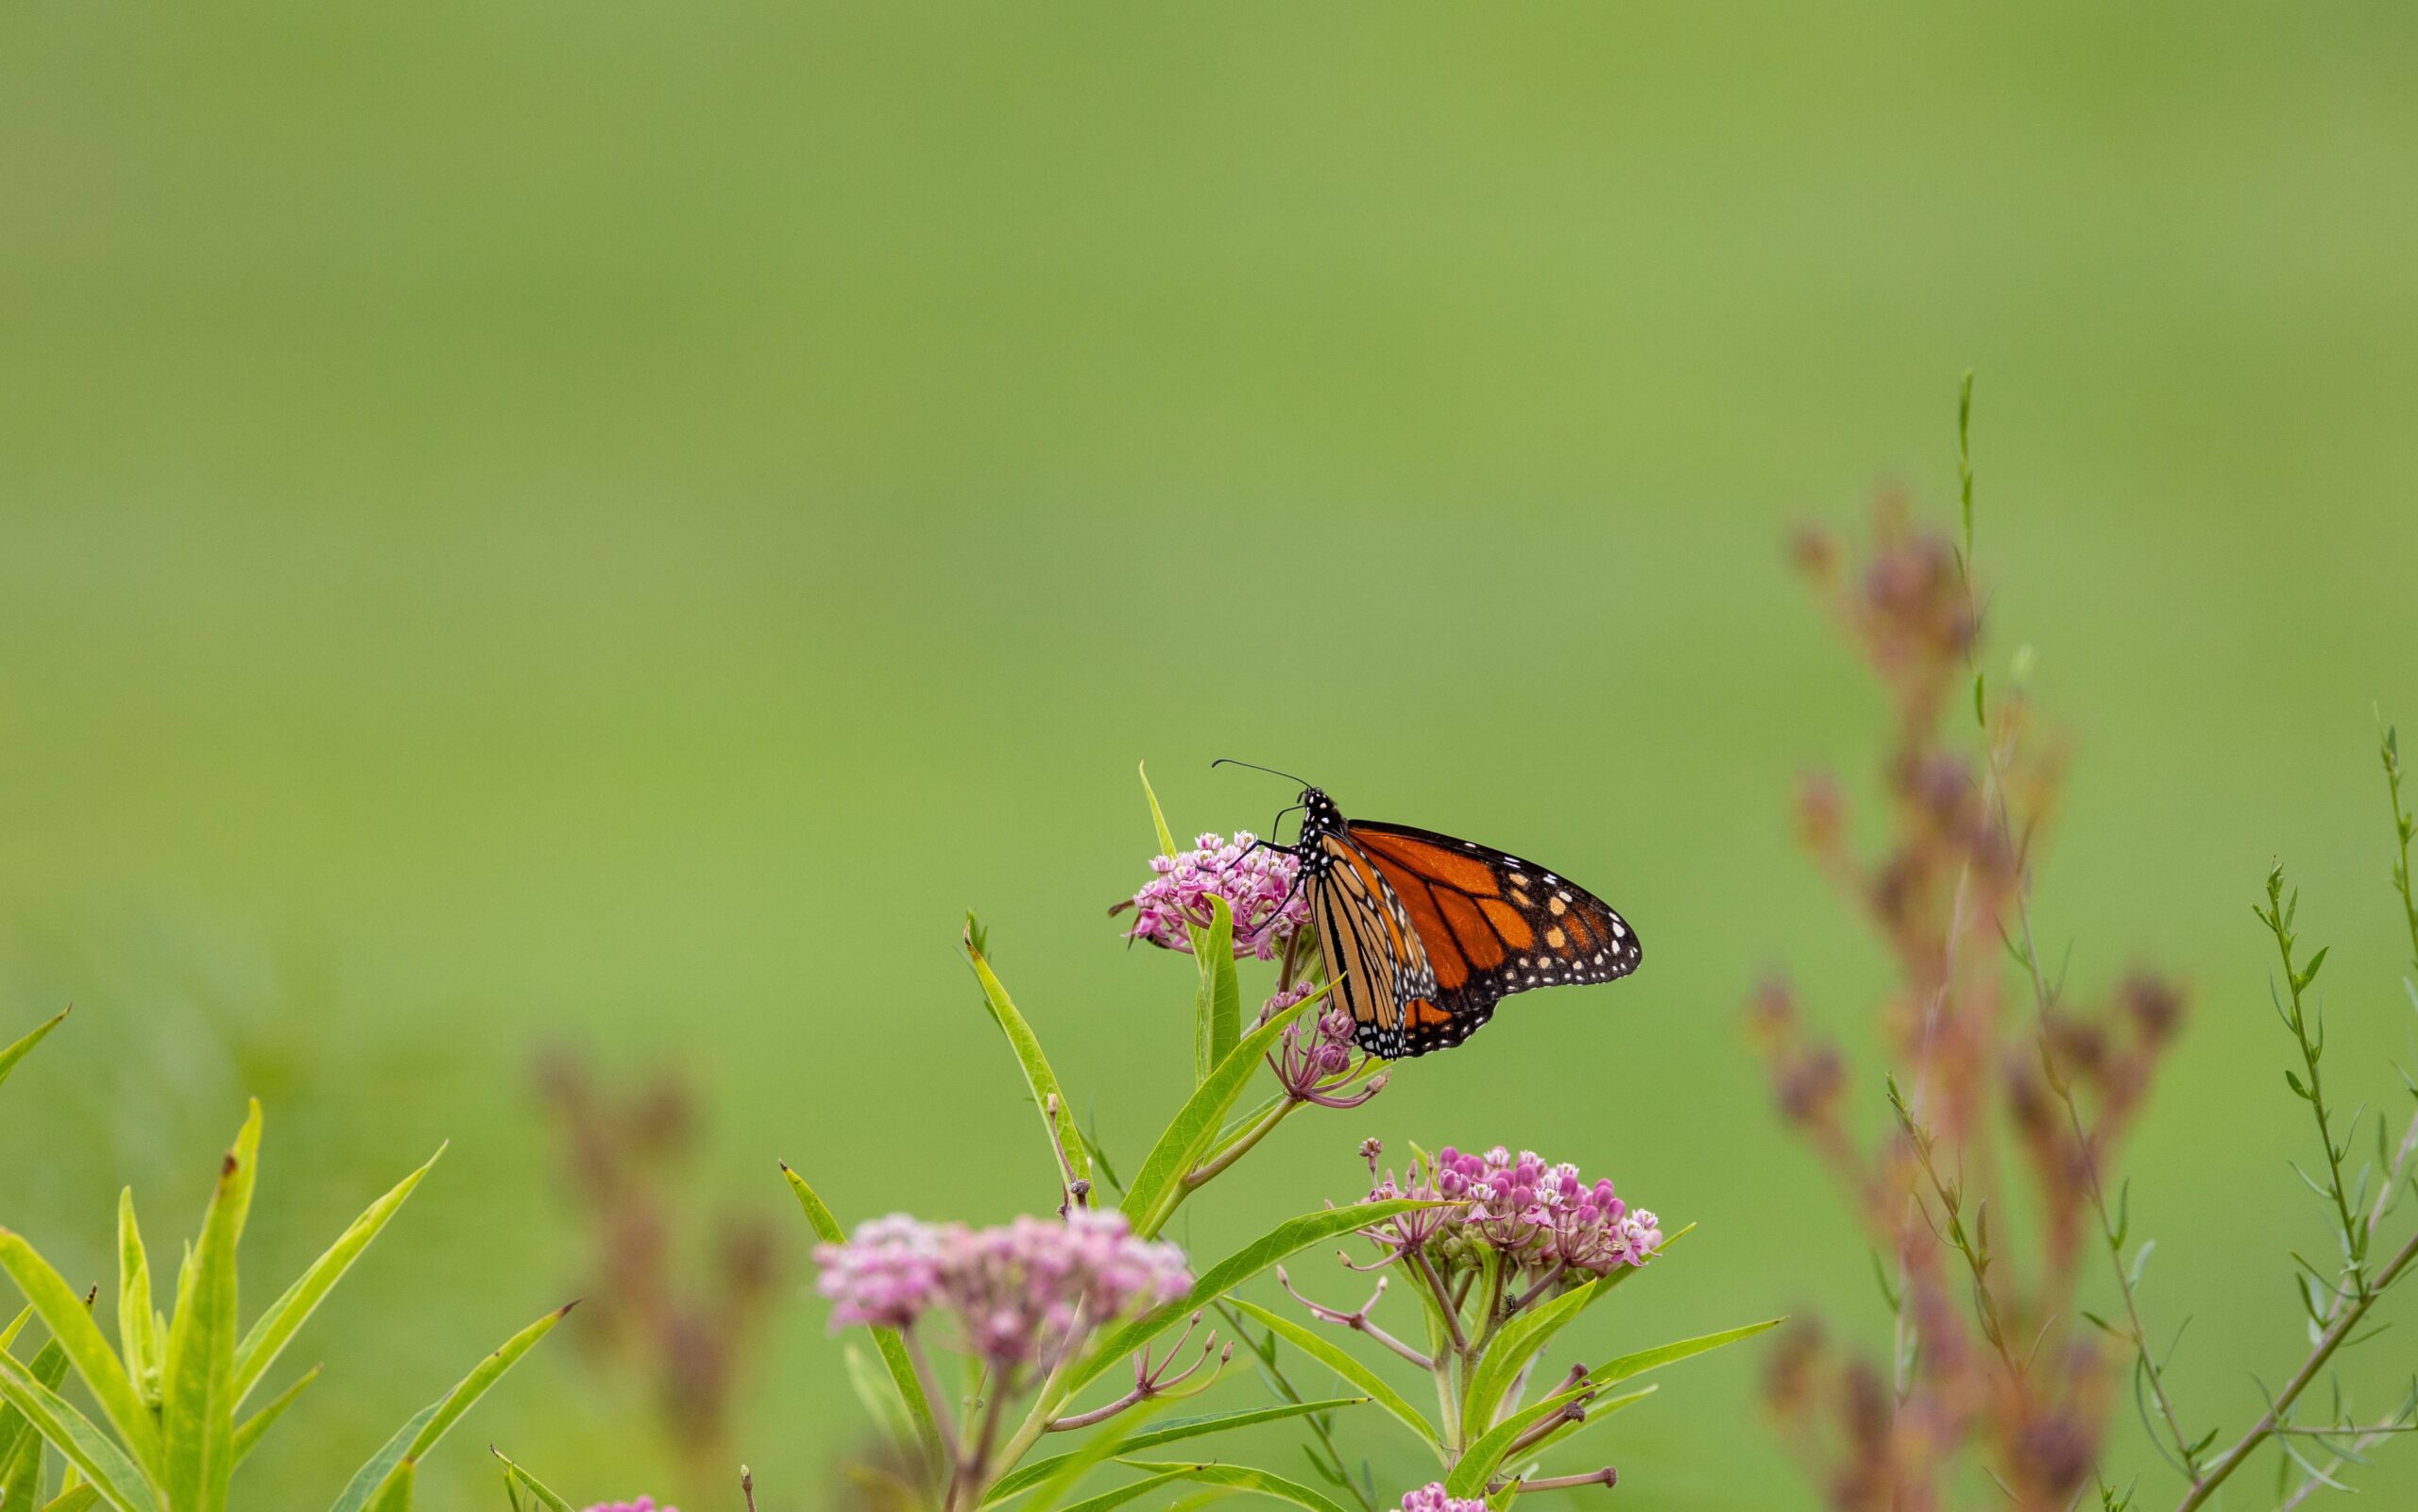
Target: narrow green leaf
247 1167
1521 1338
396 1495
1597 1410
1344 1363
71 1322
91 1451
1479 1463
1072 1470
1024 1477
1158 815
138 1339
1243 1477
1157 1188
20 1445
416 1438
197 1402
248 1431
1285 1240
16 1326
1057 1118
76 1499
1126 1493
1218 1007
16 1052
894 1358
275 1329
514 1475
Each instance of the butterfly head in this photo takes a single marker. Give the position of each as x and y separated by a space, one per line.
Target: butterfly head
1318 814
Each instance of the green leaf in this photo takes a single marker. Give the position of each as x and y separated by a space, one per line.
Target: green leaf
1024 1477
1071 1469
16 1052
1127 1493
70 1323
1158 816
1521 1338
1243 1477
1345 1365
138 1334
91 1451
396 1495
514 1475
275 1329
1157 1188
1597 1410
416 1438
75 1500
1285 1240
894 1350
248 1431
1479 1463
1057 1119
198 1399
1217 1008
20 1445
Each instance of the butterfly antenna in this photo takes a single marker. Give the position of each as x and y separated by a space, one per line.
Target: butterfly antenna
1229 762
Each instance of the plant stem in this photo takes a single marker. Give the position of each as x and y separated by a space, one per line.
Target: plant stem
1216 1164
2356 1308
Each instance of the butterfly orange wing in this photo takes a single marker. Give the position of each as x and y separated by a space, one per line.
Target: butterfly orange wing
1491 924
1373 952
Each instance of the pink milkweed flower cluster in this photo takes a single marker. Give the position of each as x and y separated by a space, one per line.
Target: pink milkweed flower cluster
1019 1292
1432 1498
644 1504
1256 881
1546 1219
1315 1056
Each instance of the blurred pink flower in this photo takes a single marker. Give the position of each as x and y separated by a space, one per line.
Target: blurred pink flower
1256 883
1019 1291
1432 1498
644 1504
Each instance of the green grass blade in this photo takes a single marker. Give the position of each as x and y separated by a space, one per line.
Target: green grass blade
515 1476
248 1431
416 1438
138 1336
275 1329
1345 1365
75 1437
196 1399
894 1350
70 1323
1218 1007
1024 1477
1280 1243
16 1052
1043 1083
1477 1465
1242 1477
1157 1188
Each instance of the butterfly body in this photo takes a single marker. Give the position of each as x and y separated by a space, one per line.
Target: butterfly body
1424 933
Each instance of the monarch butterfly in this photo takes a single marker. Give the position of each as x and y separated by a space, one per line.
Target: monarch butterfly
1424 933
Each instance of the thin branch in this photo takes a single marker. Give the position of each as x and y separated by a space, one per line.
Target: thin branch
2355 1309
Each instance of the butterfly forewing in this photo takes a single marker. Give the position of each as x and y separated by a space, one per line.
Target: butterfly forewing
1492 924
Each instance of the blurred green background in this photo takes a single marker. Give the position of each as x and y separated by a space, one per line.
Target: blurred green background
609 524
